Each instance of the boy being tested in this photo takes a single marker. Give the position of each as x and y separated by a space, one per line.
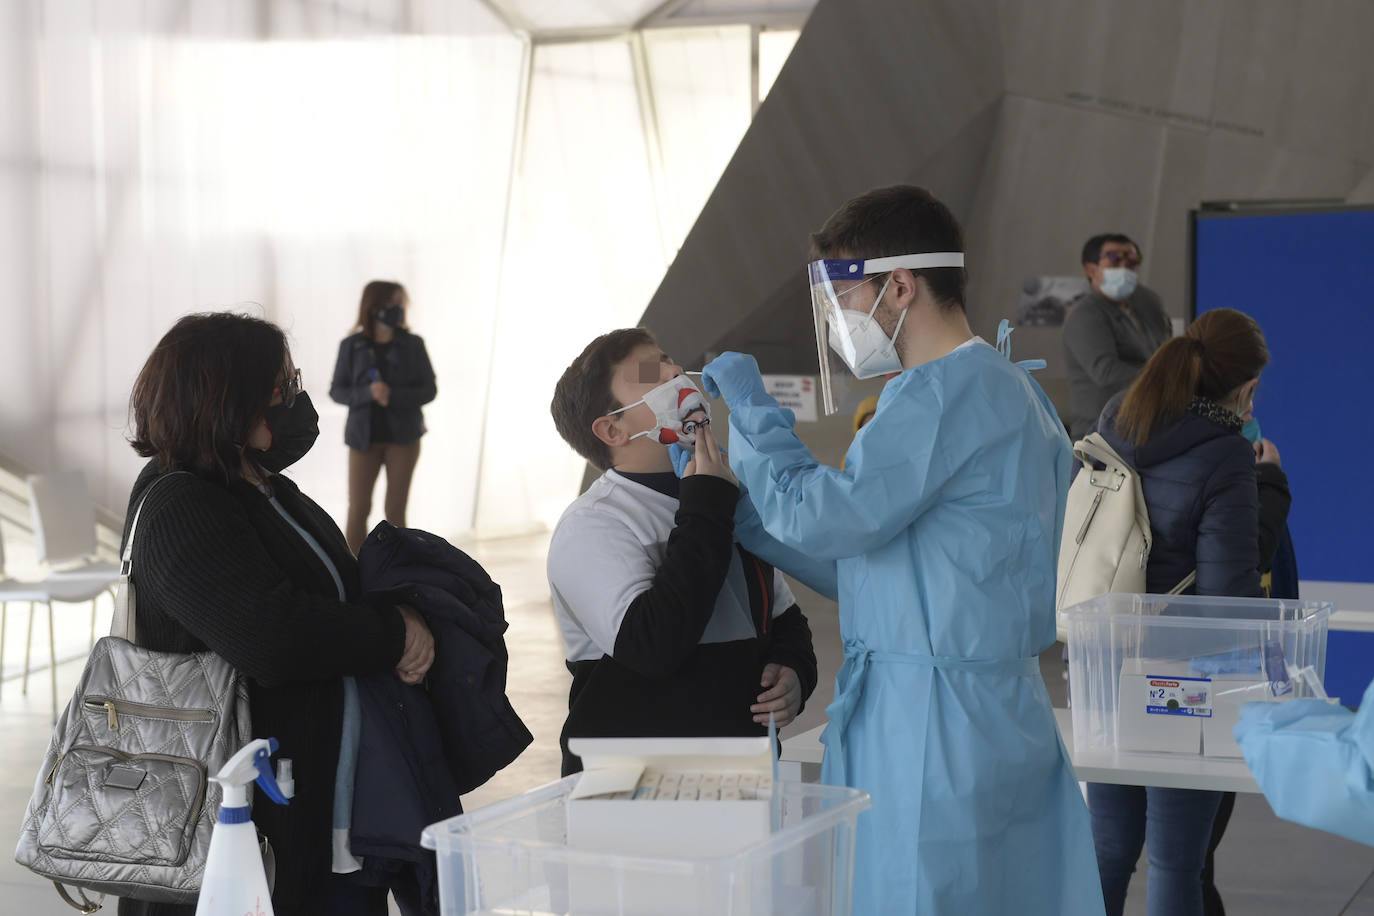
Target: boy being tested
671 628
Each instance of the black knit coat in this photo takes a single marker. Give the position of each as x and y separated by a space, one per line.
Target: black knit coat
216 567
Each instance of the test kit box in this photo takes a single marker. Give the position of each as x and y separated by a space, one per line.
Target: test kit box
671 797
1169 674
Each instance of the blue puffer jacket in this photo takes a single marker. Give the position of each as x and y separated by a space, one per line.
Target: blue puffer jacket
1198 476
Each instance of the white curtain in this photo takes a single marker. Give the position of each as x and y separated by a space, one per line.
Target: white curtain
166 157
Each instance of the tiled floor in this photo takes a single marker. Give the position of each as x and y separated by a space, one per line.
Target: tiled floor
1266 866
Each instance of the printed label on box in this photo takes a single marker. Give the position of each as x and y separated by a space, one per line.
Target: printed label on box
1178 696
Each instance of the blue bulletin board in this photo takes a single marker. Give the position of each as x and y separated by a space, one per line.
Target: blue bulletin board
1307 277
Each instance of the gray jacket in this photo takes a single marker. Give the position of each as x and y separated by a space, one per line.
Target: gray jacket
1105 350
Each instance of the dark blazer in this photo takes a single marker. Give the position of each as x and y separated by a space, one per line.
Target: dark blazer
1104 350
407 370
218 568
1198 477
422 746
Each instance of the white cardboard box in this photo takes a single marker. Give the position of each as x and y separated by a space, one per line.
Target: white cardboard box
1230 693
672 829
1142 722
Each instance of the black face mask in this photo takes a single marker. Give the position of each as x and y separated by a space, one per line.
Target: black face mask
294 431
392 316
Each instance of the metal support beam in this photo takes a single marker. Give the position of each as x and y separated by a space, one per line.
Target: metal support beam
513 20
659 13
521 126
653 141
754 99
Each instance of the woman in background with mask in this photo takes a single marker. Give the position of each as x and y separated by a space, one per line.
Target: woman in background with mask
1216 504
234 559
383 375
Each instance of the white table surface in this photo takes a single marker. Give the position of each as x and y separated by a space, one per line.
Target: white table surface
1353 621
1164 770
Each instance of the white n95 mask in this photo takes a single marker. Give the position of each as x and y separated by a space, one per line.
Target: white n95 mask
1118 283
860 340
680 410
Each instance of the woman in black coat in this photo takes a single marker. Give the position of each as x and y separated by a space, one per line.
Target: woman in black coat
233 558
383 376
1179 425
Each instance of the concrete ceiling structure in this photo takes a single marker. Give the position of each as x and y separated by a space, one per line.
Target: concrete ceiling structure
581 20
1040 125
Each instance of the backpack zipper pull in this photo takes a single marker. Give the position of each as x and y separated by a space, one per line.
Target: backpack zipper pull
114 717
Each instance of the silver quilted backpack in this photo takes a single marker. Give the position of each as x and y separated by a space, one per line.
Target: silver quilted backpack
122 804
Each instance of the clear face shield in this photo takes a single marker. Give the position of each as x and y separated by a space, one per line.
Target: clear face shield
845 295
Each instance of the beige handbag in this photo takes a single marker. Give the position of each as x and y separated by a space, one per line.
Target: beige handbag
122 804
1106 541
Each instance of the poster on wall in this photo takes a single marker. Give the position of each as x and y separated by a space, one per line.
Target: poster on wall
1046 300
795 392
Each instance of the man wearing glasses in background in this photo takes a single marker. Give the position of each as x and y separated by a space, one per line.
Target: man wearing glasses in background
1112 331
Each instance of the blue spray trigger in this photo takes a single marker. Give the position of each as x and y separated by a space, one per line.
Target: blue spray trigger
267 779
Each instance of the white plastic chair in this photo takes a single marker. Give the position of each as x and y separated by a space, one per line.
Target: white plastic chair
65 537
64 525
64 533
73 590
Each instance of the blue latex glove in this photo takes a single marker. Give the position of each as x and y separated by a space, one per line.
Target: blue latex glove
680 455
735 377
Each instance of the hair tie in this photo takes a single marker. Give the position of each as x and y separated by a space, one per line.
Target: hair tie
1201 350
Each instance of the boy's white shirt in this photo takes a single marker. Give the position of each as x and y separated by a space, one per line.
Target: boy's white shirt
604 553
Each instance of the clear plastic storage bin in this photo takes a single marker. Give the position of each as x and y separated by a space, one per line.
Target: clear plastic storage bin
512 858
1162 674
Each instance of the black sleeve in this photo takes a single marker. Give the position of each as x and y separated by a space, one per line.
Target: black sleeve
792 647
1274 502
664 622
341 387
420 388
199 559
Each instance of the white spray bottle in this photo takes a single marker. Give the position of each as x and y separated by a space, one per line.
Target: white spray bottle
234 881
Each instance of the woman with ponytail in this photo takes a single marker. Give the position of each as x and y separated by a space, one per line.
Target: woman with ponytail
1179 425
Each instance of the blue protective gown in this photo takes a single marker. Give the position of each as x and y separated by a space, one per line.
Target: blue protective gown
940 541
1314 762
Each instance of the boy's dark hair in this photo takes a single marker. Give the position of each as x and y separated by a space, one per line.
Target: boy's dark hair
584 392
203 389
901 219
1092 248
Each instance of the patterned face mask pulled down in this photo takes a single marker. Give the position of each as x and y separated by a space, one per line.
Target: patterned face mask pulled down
680 410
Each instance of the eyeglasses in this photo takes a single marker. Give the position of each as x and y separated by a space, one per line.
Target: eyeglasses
1122 259
289 391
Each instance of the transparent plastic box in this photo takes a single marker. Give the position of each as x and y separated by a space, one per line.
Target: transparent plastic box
1168 674
512 858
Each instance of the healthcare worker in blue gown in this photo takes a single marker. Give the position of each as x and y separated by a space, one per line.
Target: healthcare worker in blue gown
939 540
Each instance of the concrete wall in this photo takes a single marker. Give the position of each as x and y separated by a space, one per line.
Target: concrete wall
1040 124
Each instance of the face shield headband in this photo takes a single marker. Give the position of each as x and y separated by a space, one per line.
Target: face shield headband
855 336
